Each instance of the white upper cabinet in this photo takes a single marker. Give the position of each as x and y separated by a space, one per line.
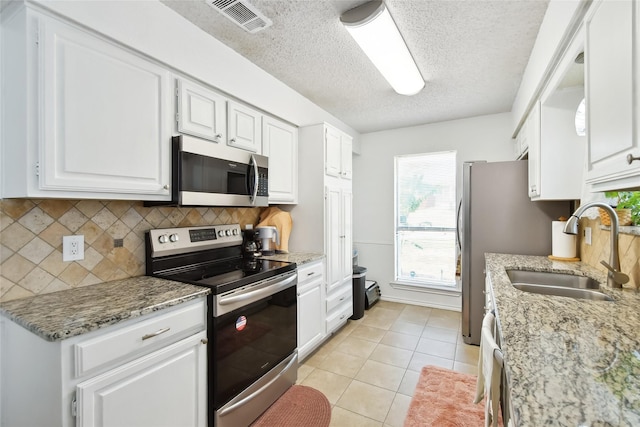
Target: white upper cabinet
94 116
280 144
244 127
338 148
556 151
611 57
200 111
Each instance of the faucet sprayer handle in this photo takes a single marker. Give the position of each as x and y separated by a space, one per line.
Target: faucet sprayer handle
618 276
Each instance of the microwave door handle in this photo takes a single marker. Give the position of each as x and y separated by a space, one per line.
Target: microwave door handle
254 191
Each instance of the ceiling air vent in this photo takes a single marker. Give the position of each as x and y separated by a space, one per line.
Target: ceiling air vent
242 13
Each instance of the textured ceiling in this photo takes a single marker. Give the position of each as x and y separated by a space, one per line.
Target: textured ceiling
472 54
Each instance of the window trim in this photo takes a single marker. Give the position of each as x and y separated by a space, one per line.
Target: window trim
431 286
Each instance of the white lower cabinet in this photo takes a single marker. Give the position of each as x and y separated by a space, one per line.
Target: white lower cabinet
150 371
311 310
168 380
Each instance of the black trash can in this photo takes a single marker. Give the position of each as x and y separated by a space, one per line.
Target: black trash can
359 281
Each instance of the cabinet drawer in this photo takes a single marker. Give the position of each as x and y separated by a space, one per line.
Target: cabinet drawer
309 272
340 296
340 316
134 339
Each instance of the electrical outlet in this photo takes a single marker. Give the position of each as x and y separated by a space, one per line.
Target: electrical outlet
587 235
73 248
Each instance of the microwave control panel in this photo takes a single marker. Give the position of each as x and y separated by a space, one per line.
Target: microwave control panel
263 182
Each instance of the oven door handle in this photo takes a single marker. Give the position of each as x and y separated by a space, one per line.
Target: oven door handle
269 289
257 392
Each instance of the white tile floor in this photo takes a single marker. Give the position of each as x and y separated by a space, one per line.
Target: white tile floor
369 369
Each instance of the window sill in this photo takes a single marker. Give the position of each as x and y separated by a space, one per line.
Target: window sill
428 288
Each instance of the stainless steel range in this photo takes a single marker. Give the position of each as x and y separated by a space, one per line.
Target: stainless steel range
252 325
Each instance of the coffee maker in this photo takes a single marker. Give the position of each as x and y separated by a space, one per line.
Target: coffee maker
250 249
269 238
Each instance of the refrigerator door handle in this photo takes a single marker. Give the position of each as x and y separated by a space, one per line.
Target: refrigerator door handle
458 225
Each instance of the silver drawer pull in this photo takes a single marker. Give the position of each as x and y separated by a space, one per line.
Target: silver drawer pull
342 317
342 299
631 158
311 274
155 334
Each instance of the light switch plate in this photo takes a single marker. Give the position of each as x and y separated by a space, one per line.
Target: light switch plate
587 235
73 248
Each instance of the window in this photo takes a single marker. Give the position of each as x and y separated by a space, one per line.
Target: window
425 212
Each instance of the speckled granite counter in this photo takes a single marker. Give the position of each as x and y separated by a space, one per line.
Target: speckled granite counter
297 257
60 315
569 362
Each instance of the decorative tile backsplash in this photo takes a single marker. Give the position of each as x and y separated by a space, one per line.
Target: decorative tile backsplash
600 249
31 240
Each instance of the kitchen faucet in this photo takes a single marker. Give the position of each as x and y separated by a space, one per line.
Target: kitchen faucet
615 278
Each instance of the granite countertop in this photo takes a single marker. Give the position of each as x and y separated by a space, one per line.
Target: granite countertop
65 314
568 362
297 257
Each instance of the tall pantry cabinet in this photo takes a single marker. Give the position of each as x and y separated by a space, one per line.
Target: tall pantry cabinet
323 216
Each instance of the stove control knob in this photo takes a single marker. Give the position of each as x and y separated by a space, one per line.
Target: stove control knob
163 238
228 232
220 233
173 237
235 231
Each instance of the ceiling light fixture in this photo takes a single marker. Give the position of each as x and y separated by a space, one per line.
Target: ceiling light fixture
372 27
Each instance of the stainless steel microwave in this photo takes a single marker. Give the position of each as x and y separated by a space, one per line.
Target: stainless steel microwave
206 173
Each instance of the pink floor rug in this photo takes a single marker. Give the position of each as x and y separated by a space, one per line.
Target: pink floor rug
300 406
444 398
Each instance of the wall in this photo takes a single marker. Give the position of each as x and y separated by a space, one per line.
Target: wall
31 240
600 249
478 138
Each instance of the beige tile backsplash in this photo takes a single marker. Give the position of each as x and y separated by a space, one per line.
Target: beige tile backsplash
600 249
31 240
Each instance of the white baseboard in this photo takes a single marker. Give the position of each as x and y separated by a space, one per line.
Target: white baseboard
422 303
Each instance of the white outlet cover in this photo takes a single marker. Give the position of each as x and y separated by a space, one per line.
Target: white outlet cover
73 248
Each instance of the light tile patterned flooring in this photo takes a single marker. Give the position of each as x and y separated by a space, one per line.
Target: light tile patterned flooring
369 369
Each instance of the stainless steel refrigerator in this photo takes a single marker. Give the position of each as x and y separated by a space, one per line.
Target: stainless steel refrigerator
496 215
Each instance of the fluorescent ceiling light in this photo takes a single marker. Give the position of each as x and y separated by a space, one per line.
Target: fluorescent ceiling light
372 27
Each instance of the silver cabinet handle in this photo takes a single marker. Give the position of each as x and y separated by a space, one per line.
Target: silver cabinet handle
311 274
232 140
631 158
204 341
218 135
155 334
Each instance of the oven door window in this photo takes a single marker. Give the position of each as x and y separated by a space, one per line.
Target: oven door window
250 341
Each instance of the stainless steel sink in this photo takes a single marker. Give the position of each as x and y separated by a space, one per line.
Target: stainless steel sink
558 284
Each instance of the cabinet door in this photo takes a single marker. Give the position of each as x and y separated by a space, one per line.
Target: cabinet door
609 64
346 157
533 138
310 317
346 241
244 127
165 388
201 112
106 116
333 152
280 144
334 242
